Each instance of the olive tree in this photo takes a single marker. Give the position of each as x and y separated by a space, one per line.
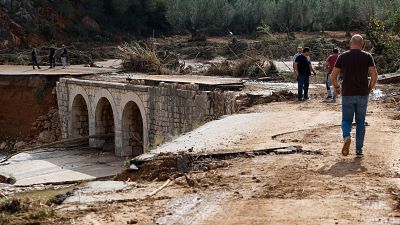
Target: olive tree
250 14
193 15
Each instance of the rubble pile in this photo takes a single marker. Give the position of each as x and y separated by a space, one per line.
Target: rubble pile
46 128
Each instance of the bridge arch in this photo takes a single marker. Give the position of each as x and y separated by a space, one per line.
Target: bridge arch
132 130
105 121
134 125
79 117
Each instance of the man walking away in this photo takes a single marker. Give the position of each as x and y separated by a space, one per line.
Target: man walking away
330 64
34 58
354 65
302 71
64 56
52 59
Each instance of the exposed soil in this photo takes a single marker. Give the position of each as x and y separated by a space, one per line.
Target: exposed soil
23 100
294 188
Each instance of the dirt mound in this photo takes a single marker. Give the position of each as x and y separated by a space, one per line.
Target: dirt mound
162 168
169 166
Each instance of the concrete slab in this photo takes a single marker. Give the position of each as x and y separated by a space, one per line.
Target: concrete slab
75 70
105 191
182 79
245 132
61 165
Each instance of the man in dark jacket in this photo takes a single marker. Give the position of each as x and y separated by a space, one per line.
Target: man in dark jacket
52 57
34 58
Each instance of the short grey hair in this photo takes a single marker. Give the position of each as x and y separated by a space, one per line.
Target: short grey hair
357 39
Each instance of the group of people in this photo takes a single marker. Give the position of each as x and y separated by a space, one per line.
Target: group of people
52 57
358 76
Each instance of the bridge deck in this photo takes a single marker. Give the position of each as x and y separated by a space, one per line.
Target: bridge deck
75 70
205 82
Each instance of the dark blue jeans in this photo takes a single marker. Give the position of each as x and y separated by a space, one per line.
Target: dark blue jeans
303 83
354 106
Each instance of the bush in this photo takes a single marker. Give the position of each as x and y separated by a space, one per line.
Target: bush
140 58
220 69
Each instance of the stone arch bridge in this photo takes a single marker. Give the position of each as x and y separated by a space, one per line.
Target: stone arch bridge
135 117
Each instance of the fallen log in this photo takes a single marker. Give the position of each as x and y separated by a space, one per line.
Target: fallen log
159 189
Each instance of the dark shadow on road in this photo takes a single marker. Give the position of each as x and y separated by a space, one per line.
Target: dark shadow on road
344 168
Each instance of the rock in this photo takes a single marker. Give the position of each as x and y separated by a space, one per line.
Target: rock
47 125
47 137
132 221
3 145
19 145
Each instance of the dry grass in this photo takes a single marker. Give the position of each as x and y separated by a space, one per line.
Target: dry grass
254 67
140 58
26 211
220 69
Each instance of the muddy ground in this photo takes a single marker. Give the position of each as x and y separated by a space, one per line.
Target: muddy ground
315 187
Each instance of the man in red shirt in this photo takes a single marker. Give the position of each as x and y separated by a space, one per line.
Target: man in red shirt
330 64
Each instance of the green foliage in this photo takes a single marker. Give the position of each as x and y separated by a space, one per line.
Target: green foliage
264 32
249 14
386 49
145 17
394 23
194 15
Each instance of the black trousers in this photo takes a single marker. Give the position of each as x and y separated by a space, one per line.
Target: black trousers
34 62
52 61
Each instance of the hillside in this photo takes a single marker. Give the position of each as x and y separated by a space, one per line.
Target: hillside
26 23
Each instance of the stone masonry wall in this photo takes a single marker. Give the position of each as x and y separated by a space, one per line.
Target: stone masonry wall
167 110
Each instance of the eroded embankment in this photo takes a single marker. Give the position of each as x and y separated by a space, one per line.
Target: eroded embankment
22 100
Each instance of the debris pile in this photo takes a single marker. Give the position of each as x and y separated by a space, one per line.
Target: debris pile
140 58
220 69
249 99
18 211
46 128
252 67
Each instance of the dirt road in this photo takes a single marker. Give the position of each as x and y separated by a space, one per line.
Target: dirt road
291 189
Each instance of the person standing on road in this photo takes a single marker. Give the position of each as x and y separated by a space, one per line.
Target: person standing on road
302 71
64 56
354 65
34 58
330 64
52 57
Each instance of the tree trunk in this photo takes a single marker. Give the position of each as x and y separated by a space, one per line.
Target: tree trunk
193 32
301 15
